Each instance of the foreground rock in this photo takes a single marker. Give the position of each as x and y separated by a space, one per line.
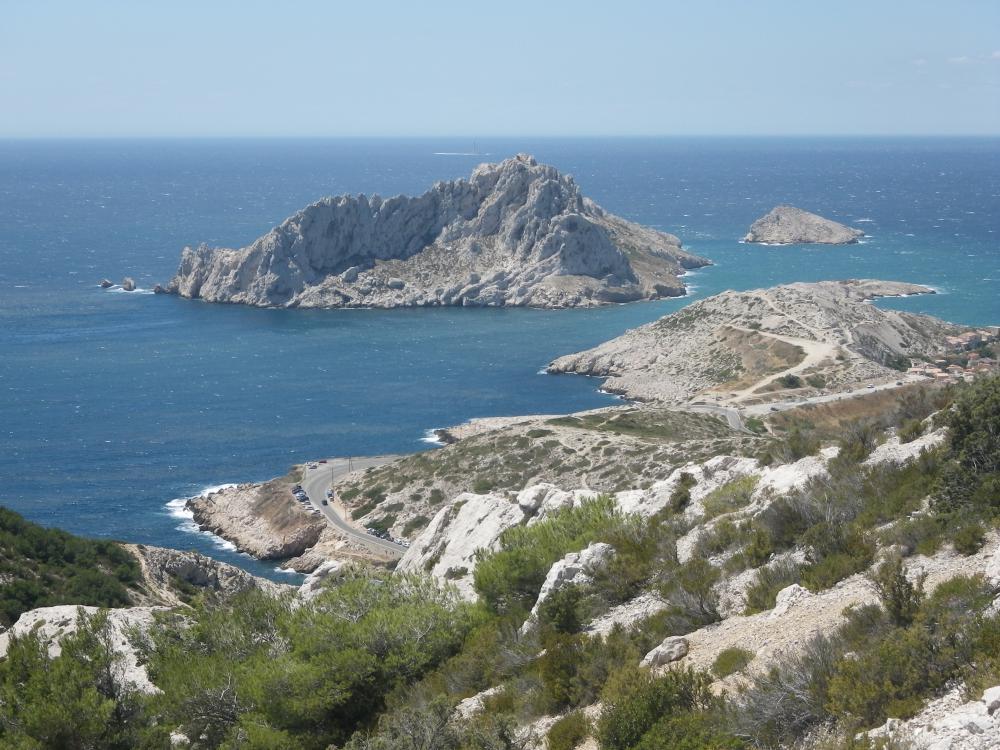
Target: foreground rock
514 233
741 343
787 225
52 624
948 723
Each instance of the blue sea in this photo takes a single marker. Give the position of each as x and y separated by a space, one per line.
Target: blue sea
112 405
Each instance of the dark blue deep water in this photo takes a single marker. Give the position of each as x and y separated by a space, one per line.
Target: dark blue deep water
113 404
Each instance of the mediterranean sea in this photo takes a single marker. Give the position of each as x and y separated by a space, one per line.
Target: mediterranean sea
113 404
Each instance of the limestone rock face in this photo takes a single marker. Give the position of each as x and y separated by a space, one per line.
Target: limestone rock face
162 568
573 569
52 624
514 233
787 225
261 520
447 547
672 649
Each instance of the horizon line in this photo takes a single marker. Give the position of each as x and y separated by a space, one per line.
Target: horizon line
612 136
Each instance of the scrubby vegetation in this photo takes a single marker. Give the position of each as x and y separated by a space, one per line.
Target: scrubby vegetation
381 660
41 567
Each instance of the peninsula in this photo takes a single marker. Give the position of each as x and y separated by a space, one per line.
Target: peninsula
517 233
787 225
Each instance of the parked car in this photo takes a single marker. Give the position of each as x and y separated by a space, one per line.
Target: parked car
325 502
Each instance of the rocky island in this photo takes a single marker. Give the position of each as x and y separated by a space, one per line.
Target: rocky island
516 233
737 344
787 225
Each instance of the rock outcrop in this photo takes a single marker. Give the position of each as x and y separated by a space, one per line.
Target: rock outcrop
515 233
575 569
787 225
672 649
170 575
106 283
948 723
262 520
128 284
52 624
743 341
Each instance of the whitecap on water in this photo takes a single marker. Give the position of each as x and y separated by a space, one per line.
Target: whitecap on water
431 438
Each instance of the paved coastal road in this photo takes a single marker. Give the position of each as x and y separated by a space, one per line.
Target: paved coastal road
730 414
317 481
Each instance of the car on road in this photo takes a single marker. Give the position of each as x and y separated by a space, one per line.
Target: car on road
326 502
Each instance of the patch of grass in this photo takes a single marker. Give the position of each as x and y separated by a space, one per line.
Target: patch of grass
730 661
729 497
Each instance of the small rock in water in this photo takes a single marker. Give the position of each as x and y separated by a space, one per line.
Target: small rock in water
158 289
106 283
128 284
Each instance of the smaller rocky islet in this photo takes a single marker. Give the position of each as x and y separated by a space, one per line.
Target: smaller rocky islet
788 225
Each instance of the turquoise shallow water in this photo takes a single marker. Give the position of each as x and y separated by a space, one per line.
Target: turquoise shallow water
112 405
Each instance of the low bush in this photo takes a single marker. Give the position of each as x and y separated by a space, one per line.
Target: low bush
969 538
509 579
767 582
730 497
731 660
634 702
568 732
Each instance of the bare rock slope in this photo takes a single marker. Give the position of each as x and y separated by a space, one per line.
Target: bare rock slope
787 225
741 343
514 233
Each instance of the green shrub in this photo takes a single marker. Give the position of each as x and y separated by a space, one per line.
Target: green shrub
689 731
911 430
790 381
483 485
690 592
969 538
41 567
900 597
634 701
415 524
568 732
730 497
680 498
731 660
562 610
767 582
509 579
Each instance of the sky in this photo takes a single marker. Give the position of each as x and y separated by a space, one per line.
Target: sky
105 68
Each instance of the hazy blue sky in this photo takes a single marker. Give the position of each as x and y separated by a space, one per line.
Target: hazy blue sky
109 68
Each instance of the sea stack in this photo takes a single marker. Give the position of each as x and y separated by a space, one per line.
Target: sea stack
787 225
517 233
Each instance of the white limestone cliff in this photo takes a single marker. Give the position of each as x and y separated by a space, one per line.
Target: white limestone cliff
515 233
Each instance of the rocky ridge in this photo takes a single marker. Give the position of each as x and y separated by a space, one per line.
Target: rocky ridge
515 233
741 343
787 225
169 576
